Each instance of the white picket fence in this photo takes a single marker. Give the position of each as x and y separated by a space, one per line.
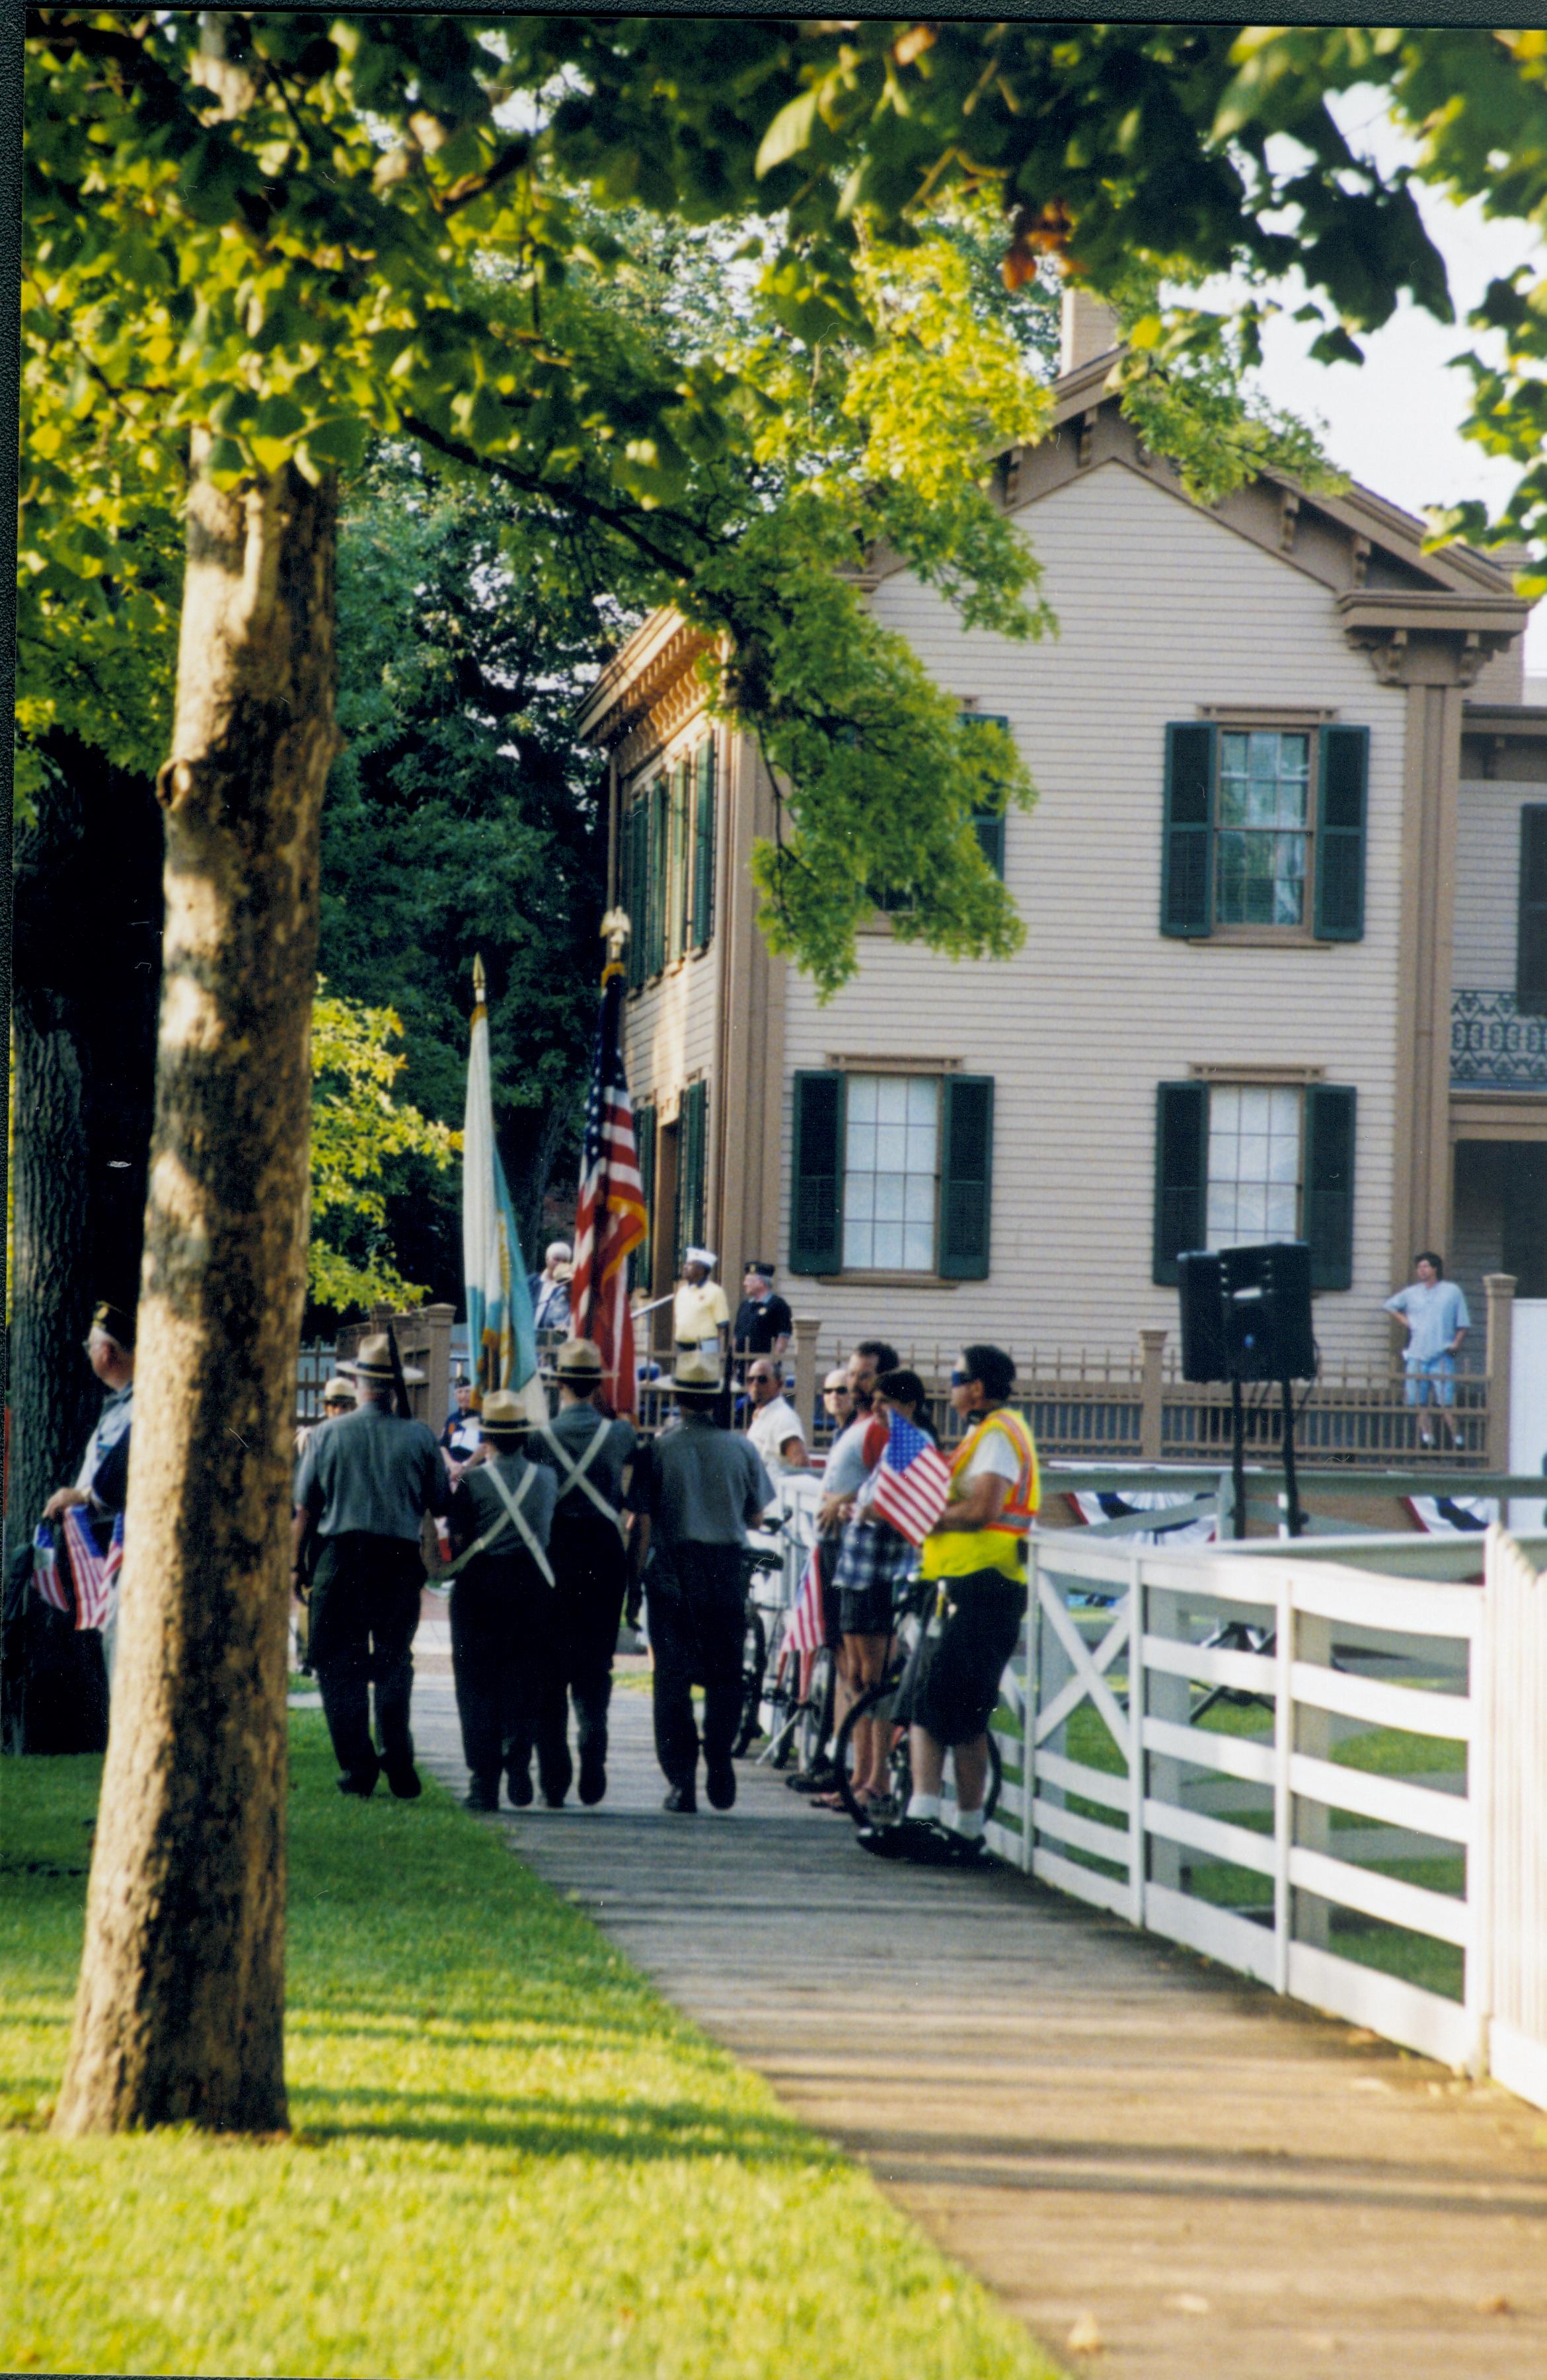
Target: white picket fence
1330 1779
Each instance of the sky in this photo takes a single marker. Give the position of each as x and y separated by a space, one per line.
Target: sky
1393 423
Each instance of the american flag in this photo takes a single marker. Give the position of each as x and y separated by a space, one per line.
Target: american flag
610 1218
808 1631
912 1482
93 1573
46 1581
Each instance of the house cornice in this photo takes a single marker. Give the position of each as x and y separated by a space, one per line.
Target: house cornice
640 673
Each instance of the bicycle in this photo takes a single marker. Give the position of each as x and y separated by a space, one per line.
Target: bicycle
877 1701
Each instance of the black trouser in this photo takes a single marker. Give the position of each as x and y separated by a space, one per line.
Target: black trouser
509 1696
697 1602
365 1607
589 1567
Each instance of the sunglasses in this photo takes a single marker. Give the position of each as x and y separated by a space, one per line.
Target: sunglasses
959 1379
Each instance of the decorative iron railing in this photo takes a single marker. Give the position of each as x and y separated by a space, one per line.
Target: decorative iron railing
1493 1046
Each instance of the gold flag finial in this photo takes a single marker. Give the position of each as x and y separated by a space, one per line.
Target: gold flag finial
479 985
616 931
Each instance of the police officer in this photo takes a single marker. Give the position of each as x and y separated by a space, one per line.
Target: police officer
591 1456
694 1499
501 1510
365 1484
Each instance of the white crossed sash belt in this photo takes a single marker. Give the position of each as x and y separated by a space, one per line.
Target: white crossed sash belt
516 1516
574 1473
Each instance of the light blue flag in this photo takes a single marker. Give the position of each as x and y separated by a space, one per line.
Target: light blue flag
502 1337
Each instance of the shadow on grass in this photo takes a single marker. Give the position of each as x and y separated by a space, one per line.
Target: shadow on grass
637 2134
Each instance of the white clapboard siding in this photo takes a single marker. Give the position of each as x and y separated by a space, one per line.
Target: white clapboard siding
1161 609
1488 880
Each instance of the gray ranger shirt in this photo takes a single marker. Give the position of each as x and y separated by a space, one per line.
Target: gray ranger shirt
476 1504
574 1428
701 1486
373 1472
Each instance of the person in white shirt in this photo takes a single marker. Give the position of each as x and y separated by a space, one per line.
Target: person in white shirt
700 1318
775 1427
550 1288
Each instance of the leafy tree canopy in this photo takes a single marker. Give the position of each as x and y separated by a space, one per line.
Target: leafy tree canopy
291 234
1202 149
358 1130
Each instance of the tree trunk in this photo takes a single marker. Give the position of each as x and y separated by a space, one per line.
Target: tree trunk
54 1686
180 2016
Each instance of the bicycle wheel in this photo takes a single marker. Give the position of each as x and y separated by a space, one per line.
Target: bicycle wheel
755 1660
815 1724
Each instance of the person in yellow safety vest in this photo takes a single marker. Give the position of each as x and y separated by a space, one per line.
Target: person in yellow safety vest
975 1556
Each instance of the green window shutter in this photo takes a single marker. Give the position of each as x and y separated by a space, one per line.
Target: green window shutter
682 873
816 1189
660 869
1181 1173
1342 802
633 888
644 1142
1531 950
1187 840
966 1175
1329 1183
704 843
989 824
691 1148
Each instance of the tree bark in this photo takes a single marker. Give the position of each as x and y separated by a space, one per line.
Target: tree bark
86 921
179 2014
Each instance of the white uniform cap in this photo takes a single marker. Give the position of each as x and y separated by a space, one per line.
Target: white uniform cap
701 1256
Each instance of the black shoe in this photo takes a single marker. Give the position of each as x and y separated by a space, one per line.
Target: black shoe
593 1778
885 1842
361 1781
481 1796
931 1845
519 1786
719 1783
403 1778
964 1850
680 1801
813 1780
553 1801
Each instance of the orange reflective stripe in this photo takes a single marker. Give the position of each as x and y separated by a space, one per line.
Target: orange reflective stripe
1015 1514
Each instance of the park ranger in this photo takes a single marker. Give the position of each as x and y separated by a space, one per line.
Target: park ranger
501 1510
365 1484
694 1501
591 1456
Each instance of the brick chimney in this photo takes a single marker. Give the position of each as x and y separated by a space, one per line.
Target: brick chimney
1087 328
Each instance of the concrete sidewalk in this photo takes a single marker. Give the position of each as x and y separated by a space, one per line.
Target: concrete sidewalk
1100 2126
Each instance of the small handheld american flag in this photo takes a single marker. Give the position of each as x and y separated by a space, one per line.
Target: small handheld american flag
808 1631
912 1482
48 1583
93 1573
609 1220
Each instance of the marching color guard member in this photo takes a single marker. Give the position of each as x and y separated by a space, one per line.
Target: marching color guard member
591 1456
501 1510
694 1499
366 1482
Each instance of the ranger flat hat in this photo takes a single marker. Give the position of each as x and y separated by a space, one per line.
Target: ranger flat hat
503 1414
336 1390
695 1376
579 1359
115 1320
373 1361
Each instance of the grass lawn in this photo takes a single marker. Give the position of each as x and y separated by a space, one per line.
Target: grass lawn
510 2155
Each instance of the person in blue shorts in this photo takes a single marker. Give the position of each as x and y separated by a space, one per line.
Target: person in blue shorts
1437 1321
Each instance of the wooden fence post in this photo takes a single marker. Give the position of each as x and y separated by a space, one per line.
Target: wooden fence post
437 1321
806 1327
1150 1395
1499 1290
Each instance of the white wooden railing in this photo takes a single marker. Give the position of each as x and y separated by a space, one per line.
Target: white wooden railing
1330 1779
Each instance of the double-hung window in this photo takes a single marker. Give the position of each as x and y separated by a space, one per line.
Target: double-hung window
892 1173
667 862
1238 1163
1263 831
